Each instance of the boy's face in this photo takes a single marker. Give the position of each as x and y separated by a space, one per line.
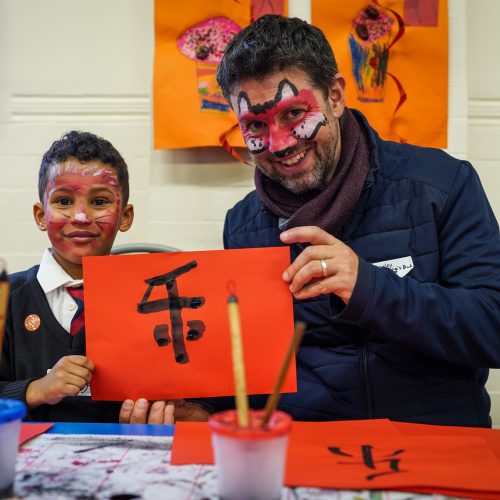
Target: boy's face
82 211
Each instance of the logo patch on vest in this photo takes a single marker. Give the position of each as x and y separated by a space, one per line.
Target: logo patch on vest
401 266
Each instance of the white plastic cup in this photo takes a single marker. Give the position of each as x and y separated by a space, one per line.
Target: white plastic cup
12 412
250 461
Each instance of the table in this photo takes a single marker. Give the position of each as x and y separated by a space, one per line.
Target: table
129 461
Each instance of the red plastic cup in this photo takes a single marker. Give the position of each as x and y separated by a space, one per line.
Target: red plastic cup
250 461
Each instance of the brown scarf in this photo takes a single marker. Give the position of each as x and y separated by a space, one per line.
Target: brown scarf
331 207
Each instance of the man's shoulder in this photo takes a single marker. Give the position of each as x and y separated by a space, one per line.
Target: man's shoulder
21 279
420 164
246 209
249 224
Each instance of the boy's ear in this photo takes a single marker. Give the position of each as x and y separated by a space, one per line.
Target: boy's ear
127 218
39 215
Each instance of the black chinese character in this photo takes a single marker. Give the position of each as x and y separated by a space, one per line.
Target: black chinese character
174 304
390 461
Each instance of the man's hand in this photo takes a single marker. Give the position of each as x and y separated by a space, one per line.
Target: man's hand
68 377
308 277
161 412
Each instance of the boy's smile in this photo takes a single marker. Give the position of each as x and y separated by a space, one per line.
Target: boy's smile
82 211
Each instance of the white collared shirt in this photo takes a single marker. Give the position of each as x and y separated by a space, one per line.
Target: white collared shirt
54 279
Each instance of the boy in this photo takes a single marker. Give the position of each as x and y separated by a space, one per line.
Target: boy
83 190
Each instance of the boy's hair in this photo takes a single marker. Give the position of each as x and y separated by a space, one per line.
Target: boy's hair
84 147
274 43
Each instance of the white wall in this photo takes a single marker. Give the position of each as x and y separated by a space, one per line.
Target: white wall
87 64
483 72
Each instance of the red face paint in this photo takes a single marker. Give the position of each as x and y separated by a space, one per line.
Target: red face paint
280 123
83 206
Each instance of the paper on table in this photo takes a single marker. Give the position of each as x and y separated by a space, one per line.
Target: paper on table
29 431
192 439
371 454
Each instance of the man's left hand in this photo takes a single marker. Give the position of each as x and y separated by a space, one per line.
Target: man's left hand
326 266
161 412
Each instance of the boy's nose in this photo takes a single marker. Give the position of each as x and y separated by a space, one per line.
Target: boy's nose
81 217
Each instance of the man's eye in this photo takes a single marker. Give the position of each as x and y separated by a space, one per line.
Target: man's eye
295 114
100 202
256 127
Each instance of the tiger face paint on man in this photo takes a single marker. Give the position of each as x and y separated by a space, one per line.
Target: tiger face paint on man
290 129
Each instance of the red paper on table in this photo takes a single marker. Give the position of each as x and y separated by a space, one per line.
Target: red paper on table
492 436
157 324
372 454
192 443
29 431
458 464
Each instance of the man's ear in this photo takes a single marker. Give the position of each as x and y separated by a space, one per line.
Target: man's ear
39 215
127 218
337 95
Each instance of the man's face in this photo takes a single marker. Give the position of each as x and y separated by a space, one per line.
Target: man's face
81 210
290 129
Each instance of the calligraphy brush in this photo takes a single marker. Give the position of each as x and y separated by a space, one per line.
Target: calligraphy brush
238 363
272 400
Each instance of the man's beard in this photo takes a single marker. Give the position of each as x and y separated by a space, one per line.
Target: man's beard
313 179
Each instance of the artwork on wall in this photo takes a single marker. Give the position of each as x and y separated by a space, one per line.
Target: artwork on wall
394 56
189 108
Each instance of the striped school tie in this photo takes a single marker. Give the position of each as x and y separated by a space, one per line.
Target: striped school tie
78 321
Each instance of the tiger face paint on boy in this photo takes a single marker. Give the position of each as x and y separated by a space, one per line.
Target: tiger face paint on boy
82 209
279 123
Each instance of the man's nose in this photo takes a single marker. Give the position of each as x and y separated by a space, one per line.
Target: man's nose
281 140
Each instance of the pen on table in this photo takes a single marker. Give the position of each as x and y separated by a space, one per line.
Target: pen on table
272 400
4 300
238 364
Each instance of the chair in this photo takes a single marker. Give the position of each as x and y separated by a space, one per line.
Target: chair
142 248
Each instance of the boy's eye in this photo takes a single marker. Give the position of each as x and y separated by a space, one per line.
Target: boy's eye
100 202
63 202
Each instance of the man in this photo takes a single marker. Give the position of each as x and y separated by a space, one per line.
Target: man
395 250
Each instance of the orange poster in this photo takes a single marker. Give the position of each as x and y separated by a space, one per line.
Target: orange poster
156 325
189 109
394 55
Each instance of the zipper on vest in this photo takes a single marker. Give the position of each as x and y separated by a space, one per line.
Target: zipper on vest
366 383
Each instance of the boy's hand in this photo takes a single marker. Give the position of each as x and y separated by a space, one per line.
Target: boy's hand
161 412
67 378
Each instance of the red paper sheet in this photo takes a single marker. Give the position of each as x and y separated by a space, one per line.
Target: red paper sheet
123 314
192 443
29 431
374 454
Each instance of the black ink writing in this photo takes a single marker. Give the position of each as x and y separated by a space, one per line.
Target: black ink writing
174 304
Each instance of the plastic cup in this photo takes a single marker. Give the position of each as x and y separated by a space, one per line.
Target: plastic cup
250 462
11 414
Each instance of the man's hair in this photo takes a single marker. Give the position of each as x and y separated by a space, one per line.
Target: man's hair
275 43
84 147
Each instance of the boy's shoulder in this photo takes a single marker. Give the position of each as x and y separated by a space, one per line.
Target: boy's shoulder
21 279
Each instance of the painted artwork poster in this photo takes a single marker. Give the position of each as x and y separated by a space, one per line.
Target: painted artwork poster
188 106
394 56
157 327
